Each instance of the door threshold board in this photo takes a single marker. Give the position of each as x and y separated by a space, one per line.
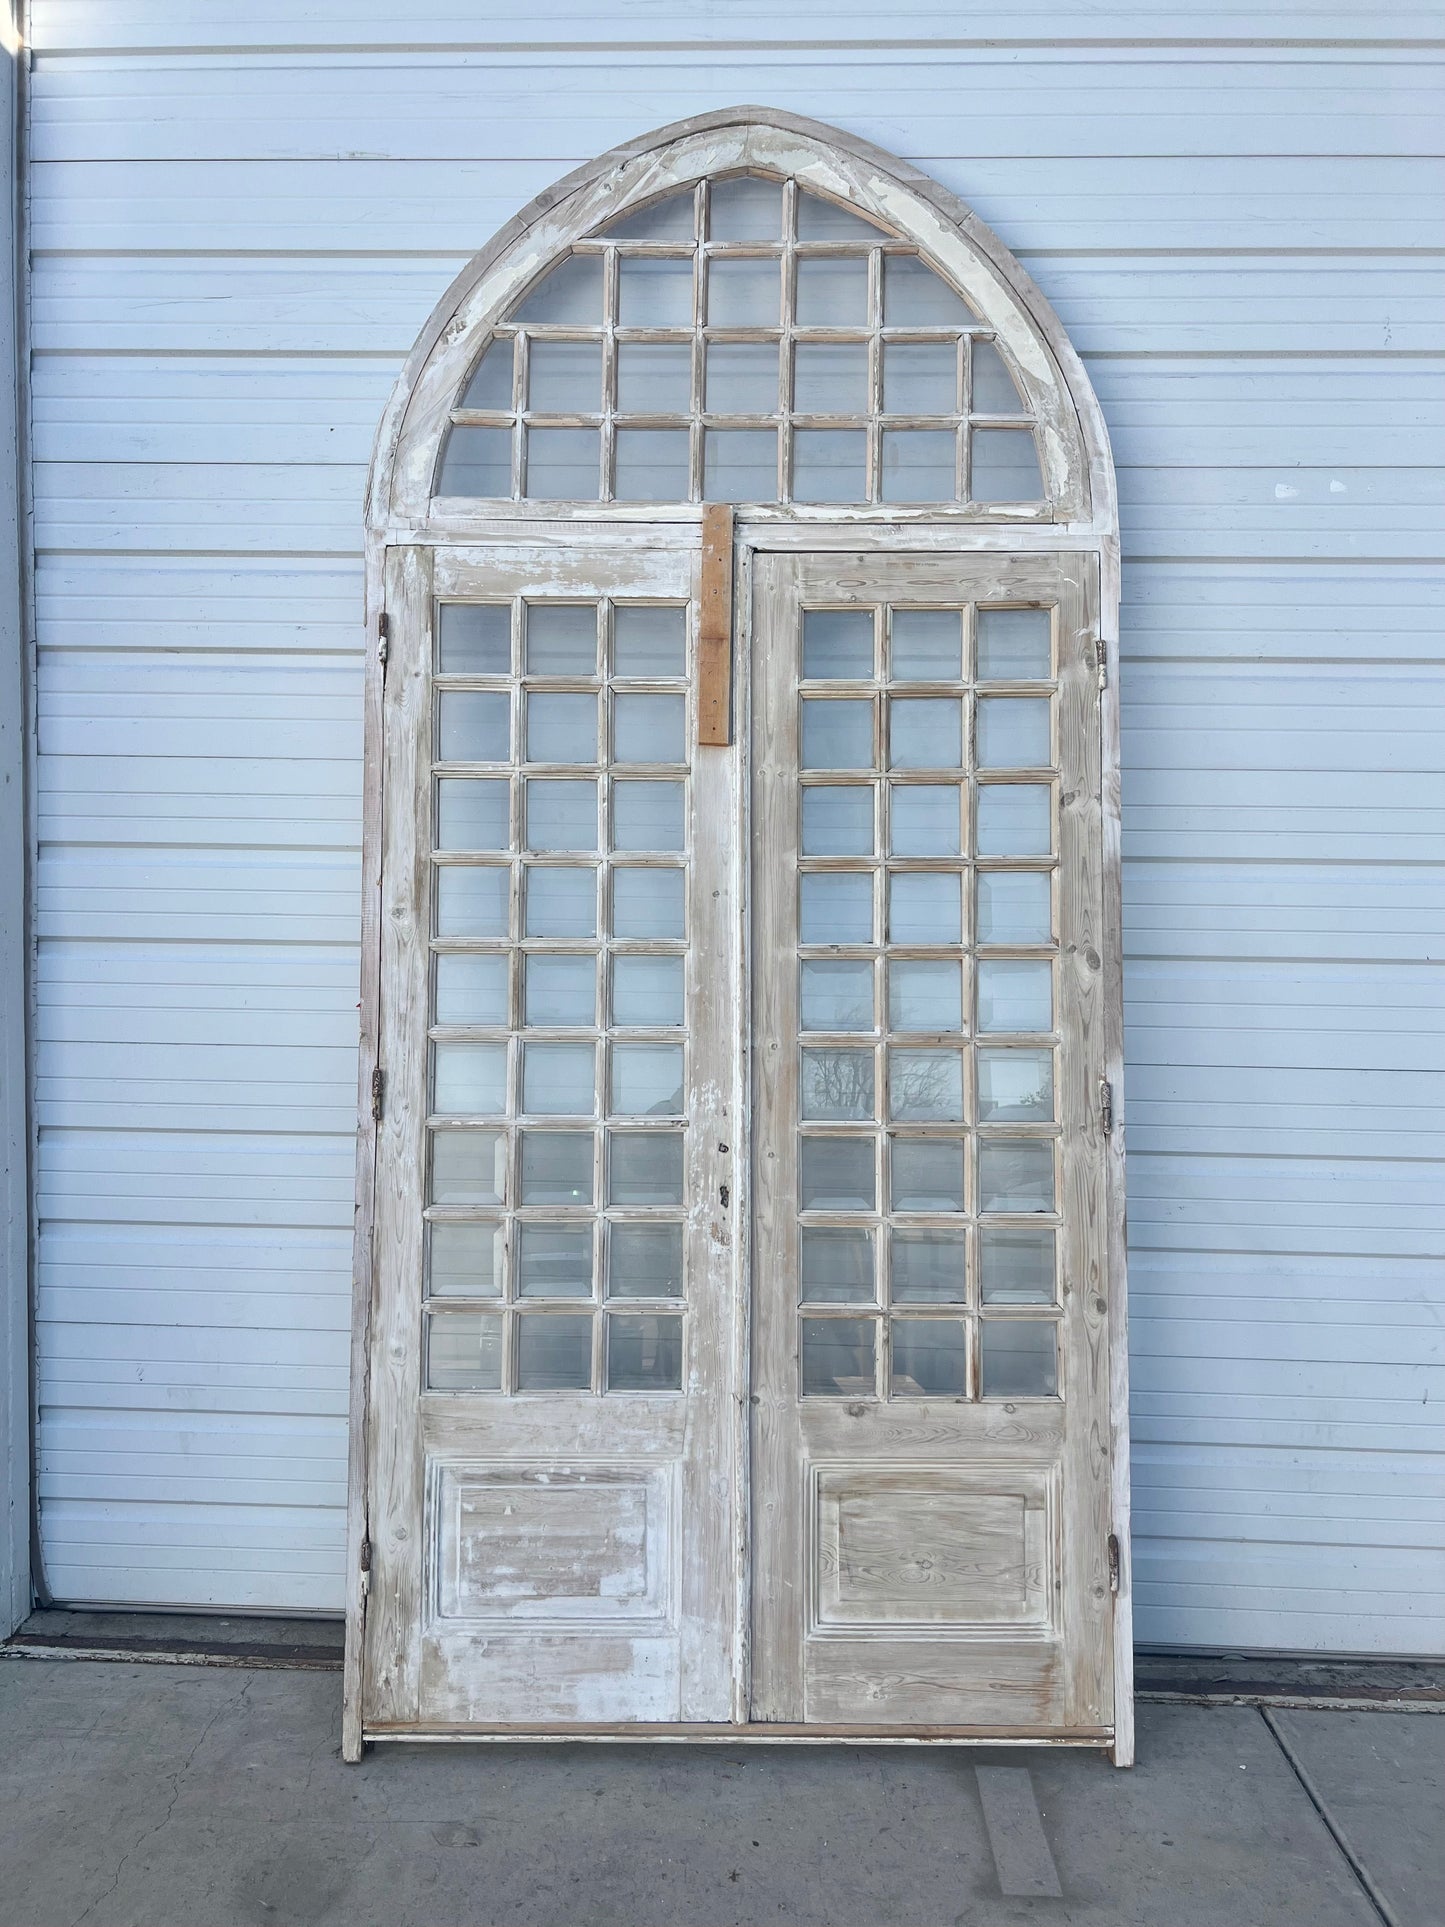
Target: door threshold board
757 1733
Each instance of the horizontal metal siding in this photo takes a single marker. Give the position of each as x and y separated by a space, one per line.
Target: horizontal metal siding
242 217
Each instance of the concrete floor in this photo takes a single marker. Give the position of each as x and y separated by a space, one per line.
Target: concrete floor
158 1796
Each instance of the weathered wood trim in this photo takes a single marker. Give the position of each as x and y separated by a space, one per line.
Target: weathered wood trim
715 628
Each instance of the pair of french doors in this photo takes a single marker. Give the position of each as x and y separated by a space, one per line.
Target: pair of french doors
737 1339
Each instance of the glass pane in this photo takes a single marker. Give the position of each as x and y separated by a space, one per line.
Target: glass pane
647 816
929 1357
1005 466
645 1354
1014 644
1013 732
830 377
647 903
565 378
649 642
836 1266
465 1261
926 645
472 902
837 1084
561 814
1015 994
927 1174
654 294
838 822
838 644
740 464
837 996
474 639
563 464
836 1174
837 735
670 219
836 909
920 465
471 990
745 209
924 994
570 292
1015 1086
644 1167
925 908
477 461
1016 1174
830 465
648 729
559 991
490 387
1016 1267
838 1357
1014 906
644 1261
654 377
832 292
469 1078
464 1353
925 820
560 902
558 1080
653 465
742 378
468 1167
556 1167
561 728
920 378
561 639
928 1267
1014 819
925 1086
1017 1358
554 1261
647 990
820 220
994 392
925 732
554 1353
744 294
915 297
473 726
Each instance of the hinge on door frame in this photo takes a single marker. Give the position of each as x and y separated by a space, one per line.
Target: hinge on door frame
1101 660
1113 1551
383 638
378 1092
1106 1106
364 1565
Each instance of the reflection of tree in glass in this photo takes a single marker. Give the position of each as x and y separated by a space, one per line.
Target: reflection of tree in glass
924 1086
837 1083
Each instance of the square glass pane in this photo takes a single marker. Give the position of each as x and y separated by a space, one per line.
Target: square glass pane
555 1167
836 908
649 729
836 1265
1017 1358
1015 994
561 813
838 821
464 1353
654 377
925 820
925 732
561 728
920 465
644 1353
649 642
474 639
1005 466
468 1167
914 296
1015 645
830 377
560 902
654 294
554 1261
1015 1087
559 991
471 990
920 378
561 639
830 465
745 209
1016 1174
925 993
1014 819
558 1080
490 388
565 378
554 1353
477 461
925 1086
472 901
832 292
925 907
647 816
824 220
647 990
838 645
644 1167
926 645
1016 1267
927 1174
744 294
473 726
837 1174
644 1261
929 1357
563 464
837 1084
742 378
570 292
1013 732
469 1079
1014 906
465 1260
994 392
673 218
838 1357
740 464
929 1267
653 465
837 995
473 816
837 735
647 903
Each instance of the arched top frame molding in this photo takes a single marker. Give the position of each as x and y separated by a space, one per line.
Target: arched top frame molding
1081 505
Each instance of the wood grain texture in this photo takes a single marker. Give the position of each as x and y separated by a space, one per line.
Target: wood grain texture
715 628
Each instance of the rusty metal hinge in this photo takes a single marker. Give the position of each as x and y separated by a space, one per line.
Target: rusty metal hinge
383 637
378 1093
1106 1106
1099 653
1113 1562
364 1563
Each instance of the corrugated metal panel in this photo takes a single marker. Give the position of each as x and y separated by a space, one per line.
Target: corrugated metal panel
243 215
